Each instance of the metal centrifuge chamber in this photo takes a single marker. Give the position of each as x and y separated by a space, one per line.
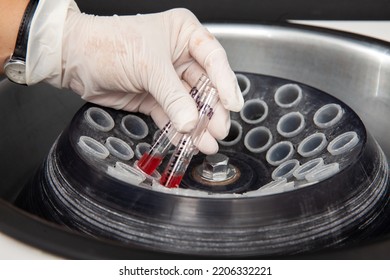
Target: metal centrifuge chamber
351 68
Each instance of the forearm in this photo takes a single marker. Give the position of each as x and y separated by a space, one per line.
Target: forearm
11 13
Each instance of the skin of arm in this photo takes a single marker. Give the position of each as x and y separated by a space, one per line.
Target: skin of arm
11 13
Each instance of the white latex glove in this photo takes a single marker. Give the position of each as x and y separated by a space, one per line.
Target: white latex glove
142 63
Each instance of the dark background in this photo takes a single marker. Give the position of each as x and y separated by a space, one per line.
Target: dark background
249 10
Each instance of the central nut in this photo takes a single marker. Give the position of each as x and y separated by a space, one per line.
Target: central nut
215 167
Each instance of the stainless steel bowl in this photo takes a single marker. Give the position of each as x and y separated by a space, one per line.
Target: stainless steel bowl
349 67
355 69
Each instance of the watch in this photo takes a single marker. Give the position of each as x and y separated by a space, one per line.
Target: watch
15 66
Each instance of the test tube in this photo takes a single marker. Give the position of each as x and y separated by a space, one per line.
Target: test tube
179 161
152 159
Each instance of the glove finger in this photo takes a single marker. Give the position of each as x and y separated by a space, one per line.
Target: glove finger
192 74
219 124
158 115
207 144
209 53
218 128
173 97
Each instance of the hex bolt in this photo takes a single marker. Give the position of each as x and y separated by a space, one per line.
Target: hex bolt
216 167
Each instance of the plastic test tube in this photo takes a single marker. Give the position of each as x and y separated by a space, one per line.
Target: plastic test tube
152 159
178 163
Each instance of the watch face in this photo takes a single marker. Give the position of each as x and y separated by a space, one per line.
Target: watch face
16 71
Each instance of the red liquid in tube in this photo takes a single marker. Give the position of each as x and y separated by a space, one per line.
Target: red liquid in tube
171 182
149 164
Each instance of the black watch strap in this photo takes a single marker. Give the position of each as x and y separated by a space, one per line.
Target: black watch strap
24 30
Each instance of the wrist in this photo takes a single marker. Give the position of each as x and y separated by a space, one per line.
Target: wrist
11 13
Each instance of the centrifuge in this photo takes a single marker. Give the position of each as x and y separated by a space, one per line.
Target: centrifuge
303 172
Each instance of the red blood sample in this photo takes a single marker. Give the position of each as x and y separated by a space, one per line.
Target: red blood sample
171 182
148 163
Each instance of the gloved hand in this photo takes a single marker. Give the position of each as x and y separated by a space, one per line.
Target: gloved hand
142 63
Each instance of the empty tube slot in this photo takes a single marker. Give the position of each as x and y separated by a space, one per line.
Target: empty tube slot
258 139
119 148
323 172
155 176
234 135
135 127
141 148
343 143
93 147
291 124
288 95
244 83
312 145
268 188
273 184
99 119
279 153
307 167
254 111
126 173
274 187
328 115
285 170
